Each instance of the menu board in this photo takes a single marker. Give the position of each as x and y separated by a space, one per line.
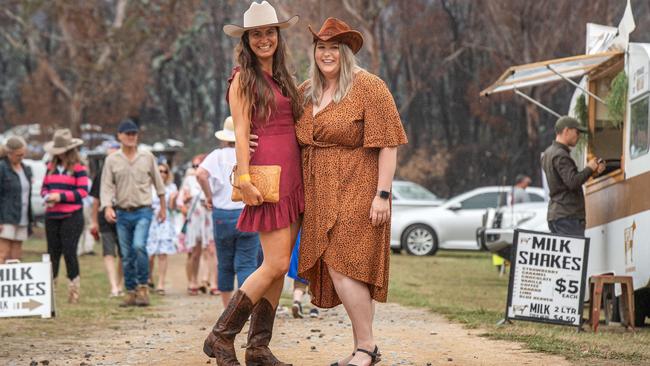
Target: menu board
547 278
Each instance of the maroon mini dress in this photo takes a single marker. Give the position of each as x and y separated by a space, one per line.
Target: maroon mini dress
277 145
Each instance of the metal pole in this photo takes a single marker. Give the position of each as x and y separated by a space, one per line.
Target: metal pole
549 110
576 85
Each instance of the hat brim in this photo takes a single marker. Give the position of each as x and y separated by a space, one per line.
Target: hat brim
237 31
582 129
351 38
50 149
226 136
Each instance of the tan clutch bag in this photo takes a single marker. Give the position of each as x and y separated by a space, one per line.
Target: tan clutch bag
266 178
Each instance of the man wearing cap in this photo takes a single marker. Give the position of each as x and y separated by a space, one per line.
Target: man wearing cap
566 210
125 195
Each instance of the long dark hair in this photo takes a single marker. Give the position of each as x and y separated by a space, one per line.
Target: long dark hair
254 87
67 159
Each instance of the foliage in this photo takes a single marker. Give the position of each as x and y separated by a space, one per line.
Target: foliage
581 112
617 98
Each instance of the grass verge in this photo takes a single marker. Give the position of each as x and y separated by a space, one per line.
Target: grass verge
95 310
466 288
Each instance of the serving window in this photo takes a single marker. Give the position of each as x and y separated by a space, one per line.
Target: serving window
606 135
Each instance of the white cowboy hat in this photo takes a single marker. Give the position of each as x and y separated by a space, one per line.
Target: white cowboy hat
228 132
258 15
62 142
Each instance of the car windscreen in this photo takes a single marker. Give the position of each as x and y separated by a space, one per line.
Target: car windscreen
413 192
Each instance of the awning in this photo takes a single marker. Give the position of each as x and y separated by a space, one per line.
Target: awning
517 77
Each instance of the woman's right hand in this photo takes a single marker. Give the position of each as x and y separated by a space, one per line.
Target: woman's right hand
251 195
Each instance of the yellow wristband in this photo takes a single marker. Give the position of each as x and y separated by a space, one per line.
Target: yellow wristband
245 178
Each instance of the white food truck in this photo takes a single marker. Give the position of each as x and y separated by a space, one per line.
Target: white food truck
617 202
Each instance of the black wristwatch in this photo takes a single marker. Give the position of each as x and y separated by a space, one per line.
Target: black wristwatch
383 195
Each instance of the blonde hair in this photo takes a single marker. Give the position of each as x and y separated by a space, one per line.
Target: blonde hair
14 143
170 177
349 67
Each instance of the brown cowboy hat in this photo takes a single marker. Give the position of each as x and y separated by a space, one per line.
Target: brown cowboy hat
62 142
337 30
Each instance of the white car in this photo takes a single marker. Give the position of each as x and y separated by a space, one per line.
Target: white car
407 195
499 225
452 225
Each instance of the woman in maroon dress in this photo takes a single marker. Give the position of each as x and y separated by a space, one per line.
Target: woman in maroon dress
263 100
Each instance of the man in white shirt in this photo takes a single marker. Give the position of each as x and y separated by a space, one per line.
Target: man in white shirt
236 251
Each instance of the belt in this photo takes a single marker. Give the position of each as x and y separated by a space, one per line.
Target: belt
131 209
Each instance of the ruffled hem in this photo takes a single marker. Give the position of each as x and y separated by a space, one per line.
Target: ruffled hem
273 216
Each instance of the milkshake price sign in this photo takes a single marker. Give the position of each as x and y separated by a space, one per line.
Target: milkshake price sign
547 278
26 289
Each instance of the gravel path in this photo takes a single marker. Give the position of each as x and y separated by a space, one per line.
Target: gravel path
406 336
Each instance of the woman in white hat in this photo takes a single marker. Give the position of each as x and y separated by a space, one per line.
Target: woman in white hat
263 100
64 187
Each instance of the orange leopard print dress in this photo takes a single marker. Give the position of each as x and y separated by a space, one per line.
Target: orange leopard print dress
340 154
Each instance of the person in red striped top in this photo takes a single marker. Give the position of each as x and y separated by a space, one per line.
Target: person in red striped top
64 187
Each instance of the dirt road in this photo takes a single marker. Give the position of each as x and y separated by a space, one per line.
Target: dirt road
174 336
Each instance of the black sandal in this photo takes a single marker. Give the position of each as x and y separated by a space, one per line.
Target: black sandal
336 363
375 356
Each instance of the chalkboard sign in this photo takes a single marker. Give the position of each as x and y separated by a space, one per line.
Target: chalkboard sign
547 278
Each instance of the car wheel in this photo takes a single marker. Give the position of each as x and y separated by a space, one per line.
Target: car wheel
420 240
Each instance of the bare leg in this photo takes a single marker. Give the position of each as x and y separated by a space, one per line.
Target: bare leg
120 274
5 250
225 298
109 264
211 261
188 267
194 260
298 293
268 279
162 271
16 249
356 299
204 268
275 288
151 262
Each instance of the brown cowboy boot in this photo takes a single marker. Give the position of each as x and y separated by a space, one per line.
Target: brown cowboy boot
259 336
220 342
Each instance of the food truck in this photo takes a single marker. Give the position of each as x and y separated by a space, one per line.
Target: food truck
612 86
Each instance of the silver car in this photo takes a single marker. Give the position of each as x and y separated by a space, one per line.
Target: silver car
451 225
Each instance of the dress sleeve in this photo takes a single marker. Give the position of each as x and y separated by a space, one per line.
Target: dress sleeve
382 125
234 72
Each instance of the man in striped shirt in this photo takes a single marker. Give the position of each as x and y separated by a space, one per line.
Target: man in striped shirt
125 196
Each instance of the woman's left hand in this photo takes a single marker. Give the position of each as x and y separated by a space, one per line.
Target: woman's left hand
54 197
379 211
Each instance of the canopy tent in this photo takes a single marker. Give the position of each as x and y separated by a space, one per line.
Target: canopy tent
517 77
543 72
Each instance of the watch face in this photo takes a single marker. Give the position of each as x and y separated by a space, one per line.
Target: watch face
384 194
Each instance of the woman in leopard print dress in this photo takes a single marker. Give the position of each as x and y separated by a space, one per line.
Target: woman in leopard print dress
349 133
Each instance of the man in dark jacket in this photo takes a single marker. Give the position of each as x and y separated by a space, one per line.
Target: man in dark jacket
566 211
